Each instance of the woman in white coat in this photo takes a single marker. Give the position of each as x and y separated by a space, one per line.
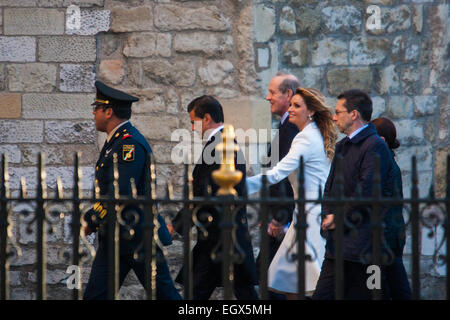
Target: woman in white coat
315 142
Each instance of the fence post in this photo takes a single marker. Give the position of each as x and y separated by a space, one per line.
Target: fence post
300 227
447 228
227 177
149 229
188 269
113 234
4 264
339 232
41 231
415 231
376 218
264 245
76 223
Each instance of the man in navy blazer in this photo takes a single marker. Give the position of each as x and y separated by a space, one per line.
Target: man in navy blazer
358 151
207 112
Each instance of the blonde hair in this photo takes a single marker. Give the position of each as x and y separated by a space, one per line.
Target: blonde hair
315 101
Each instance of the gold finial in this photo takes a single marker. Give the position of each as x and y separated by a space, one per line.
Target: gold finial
227 176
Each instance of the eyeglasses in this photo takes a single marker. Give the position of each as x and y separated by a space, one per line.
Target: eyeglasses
337 112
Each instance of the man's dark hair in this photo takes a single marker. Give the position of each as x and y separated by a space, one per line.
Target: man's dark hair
358 100
207 104
122 113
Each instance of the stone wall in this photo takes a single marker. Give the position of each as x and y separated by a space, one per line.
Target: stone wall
404 65
169 51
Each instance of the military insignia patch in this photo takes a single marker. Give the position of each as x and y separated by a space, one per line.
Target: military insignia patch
126 136
128 152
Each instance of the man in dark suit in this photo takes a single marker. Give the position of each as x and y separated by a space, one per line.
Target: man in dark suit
112 111
281 89
358 151
206 116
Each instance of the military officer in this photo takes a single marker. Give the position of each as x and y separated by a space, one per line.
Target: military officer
112 111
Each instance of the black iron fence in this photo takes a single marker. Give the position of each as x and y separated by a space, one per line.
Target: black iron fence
429 212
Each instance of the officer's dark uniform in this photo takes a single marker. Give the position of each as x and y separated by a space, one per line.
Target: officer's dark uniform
131 148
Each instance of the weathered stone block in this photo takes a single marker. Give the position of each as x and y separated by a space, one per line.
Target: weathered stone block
382 2
17 131
134 74
66 3
150 100
394 19
339 80
18 49
84 3
28 233
438 17
440 170
66 175
36 21
215 71
22 294
67 49
10 105
401 107
132 292
70 132
164 44
295 52
444 119
12 152
92 22
163 151
287 21
247 113
344 19
172 101
52 276
180 73
57 106
378 106
2 77
140 45
18 3
111 71
409 132
405 49
156 128
175 17
411 80
77 78
329 51
109 43
368 51
224 93
308 21
423 153
32 77
309 77
131 19
15 278
387 80
204 42
425 105
62 154
263 57
417 18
